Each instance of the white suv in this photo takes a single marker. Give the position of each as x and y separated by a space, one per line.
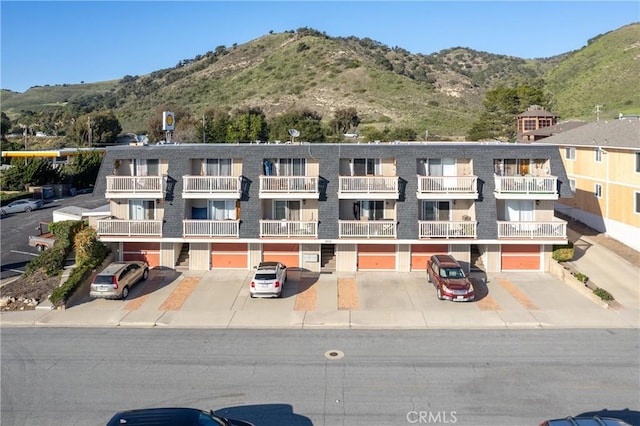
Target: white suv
268 280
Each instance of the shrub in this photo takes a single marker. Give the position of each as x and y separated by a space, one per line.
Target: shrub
563 253
581 277
603 294
51 261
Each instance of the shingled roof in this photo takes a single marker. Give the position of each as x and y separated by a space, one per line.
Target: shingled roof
623 133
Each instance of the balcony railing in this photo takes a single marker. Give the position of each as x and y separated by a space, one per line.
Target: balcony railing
368 229
131 185
526 185
552 229
129 228
210 228
288 228
289 185
197 186
447 229
448 184
369 185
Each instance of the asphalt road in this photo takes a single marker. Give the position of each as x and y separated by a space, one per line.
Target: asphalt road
16 228
53 376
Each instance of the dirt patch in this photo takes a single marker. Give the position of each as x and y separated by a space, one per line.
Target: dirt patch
28 291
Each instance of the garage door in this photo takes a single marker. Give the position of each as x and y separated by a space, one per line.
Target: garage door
520 257
420 253
377 256
289 254
148 252
229 255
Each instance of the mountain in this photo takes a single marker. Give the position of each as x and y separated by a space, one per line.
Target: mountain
306 69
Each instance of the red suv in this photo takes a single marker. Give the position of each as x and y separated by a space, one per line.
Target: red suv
449 279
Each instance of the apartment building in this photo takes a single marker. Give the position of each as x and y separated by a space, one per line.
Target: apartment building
602 161
343 207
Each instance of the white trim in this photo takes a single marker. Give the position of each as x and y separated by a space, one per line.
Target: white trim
596 179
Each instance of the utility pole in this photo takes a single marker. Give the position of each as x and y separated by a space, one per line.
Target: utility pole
598 112
203 124
90 131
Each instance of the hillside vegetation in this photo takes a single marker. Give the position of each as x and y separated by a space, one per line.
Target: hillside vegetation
441 93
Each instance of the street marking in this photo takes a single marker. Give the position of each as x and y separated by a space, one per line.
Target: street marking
307 297
348 294
180 294
25 252
517 294
151 286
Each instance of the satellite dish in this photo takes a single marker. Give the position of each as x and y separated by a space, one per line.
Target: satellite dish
295 133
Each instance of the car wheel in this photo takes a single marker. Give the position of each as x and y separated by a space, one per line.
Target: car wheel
3 213
145 274
125 292
428 277
252 295
439 293
28 209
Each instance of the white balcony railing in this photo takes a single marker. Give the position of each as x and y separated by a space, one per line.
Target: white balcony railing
135 184
552 229
129 228
368 185
211 184
288 228
289 184
447 229
368 229
448 184
210 228
534 185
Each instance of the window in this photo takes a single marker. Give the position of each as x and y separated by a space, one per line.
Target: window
371 210
286 210
597 191
598 155
436 210
218 167
570 153
366 167
637 162
222 209
637 206
572 185
529 124
142 167
291 167
142 209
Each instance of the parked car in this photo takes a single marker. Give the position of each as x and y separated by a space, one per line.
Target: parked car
115 281
268 280
45 238
450 281
585 421
172 417
19 206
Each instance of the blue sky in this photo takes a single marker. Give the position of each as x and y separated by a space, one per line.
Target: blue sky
53 43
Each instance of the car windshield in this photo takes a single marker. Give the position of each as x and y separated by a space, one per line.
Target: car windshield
265 276
103 279
452 273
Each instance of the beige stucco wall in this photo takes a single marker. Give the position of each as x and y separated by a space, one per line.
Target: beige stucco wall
403 258
462 253
168 255
346 257
255 254
311 251
199 256
491 258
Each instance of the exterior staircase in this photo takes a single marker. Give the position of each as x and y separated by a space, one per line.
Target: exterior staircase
327 258
182 263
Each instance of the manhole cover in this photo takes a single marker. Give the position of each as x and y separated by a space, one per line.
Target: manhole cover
334 354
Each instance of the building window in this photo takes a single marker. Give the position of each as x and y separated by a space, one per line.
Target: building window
572 185
598 190
598 155
637 162
529 125
570 153
637 206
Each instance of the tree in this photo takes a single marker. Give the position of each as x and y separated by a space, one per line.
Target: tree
502 105
182 116
307 122
104 126
214 126
83 170
345 120
248 125
5 124
32 171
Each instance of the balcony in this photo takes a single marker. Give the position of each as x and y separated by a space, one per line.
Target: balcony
367 229
129 228
447 187
288 228
526 187
211 187
289 187
135 187
556 229
447 229
368 187
210 228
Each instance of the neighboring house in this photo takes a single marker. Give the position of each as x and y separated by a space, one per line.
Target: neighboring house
343 207
602 161
533 119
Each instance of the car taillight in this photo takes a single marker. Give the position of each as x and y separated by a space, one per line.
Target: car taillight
253 284
277 284
115 283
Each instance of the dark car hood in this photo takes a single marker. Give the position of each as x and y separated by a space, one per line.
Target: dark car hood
457 283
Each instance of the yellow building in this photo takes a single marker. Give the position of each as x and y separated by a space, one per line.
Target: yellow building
602 161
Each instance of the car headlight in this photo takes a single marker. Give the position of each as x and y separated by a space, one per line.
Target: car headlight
445 288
